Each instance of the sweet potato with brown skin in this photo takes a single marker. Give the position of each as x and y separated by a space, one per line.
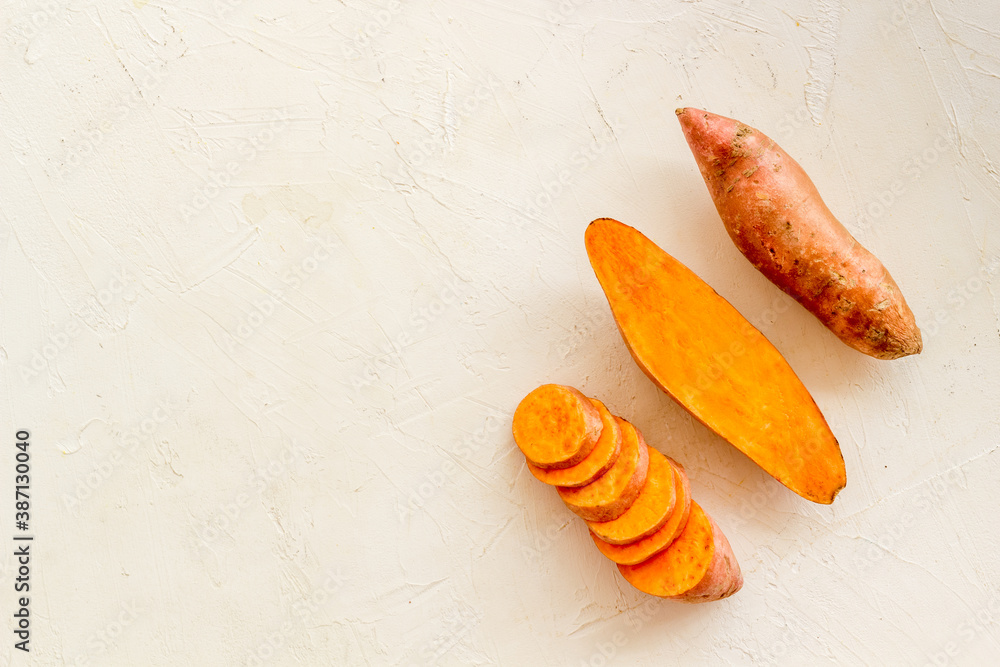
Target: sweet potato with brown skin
698 567
598 462
698 349
556 426
608 496
776 217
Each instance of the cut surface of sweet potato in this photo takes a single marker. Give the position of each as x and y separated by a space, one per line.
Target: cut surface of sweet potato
650 510
723 577
706 356
597 462
556 426
693 568
608 496
636 552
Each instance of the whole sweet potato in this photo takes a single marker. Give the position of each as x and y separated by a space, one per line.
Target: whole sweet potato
777 219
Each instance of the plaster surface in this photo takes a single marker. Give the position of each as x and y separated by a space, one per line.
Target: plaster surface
275 275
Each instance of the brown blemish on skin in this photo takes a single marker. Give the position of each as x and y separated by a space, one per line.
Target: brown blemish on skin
875 335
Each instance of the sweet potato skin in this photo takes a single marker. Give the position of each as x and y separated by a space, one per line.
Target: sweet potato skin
723 578
706 356
777 219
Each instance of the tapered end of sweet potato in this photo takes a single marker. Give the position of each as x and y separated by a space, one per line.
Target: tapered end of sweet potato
714 139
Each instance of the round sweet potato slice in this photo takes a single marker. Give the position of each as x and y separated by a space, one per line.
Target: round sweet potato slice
631 554
650 510
608 496
556 426
597 462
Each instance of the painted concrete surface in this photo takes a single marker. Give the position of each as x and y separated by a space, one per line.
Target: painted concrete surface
275 275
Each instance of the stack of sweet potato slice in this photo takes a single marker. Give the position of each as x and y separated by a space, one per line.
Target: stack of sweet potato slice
636 501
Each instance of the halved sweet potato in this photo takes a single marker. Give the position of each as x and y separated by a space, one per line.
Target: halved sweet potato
699 566
556 426
650 510
598 462
608 496
706 356
630 554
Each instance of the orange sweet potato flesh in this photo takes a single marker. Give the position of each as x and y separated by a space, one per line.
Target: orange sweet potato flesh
723 577
698 567
636 552
699 350
776 217
650 510
608 496
597 462
556 426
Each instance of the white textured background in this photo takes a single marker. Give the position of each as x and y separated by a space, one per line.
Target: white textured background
275 274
